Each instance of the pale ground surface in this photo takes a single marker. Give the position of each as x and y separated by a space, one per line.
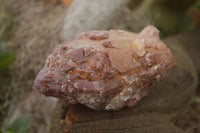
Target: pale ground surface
36 34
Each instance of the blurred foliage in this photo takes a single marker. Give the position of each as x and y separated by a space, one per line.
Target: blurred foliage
187 24
5 29
167 14
5 57
6 26
20 125
6 22
192 18
197 5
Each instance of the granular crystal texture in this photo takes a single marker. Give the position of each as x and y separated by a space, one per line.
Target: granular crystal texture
105 70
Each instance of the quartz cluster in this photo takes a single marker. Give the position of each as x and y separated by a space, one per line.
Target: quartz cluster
105 70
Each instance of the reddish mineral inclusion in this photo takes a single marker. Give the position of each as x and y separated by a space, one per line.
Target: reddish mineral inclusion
105 70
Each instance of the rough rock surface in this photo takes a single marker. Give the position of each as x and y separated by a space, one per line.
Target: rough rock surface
84 15
105 70
156 112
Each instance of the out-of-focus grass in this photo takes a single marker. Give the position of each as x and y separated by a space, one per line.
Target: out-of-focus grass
192 18
20 125
5 57
6 22
197 5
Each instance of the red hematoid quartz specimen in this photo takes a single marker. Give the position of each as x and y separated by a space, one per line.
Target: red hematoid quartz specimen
105 70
